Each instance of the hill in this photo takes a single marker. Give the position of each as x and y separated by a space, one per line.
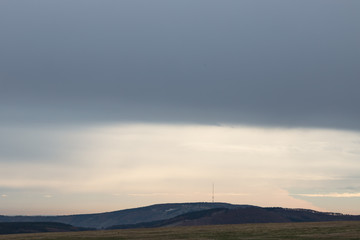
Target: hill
36 227
251 214
185 214
293 231
129 216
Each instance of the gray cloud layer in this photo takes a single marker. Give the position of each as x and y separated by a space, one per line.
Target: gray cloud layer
282 63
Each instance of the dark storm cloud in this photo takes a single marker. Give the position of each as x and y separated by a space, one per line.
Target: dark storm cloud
282 63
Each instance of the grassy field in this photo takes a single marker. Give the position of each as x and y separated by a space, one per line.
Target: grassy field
324 230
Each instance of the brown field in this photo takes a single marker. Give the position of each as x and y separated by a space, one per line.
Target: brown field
318 230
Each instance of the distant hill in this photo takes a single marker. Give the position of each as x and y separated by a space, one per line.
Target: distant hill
36 227
249 214
185 214
128 216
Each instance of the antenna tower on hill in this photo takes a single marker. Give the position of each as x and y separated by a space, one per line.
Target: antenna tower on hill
213 192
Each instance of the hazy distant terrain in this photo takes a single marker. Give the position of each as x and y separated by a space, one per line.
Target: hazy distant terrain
185 214
293 231
128 216
243 215
35 227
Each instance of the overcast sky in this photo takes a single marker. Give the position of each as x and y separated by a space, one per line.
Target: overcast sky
175 70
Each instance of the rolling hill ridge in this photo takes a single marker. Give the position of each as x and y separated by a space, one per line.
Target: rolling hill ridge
36 227
128 216
185 214
251 214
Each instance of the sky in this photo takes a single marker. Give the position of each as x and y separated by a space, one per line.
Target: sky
114 104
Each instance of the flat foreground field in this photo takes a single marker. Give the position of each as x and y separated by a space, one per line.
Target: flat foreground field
318 230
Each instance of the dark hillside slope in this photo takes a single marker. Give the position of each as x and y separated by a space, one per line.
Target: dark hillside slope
36 227
128 216
172 221
306 215
268 215
244 215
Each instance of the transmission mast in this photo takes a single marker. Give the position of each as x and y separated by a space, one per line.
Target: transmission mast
213 192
